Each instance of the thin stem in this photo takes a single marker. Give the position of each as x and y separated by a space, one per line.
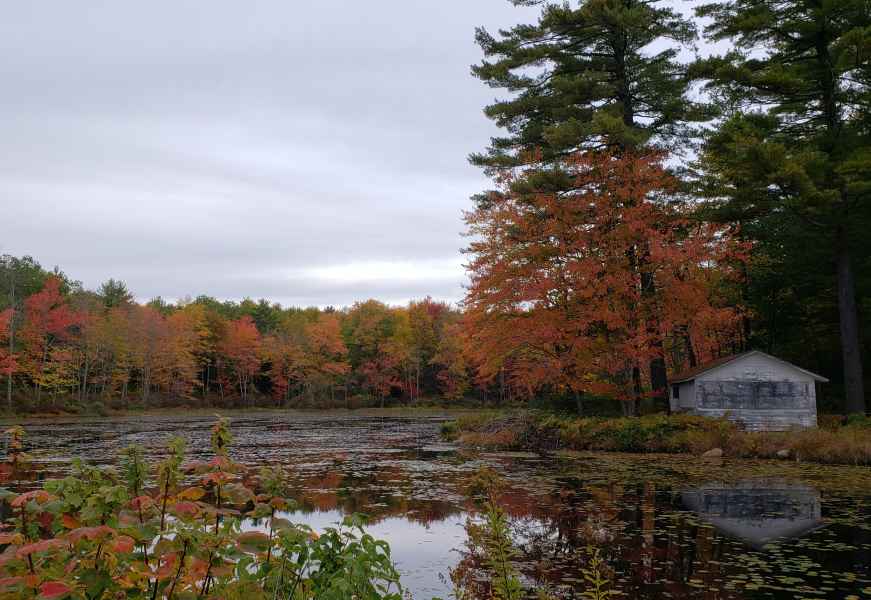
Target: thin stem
178 572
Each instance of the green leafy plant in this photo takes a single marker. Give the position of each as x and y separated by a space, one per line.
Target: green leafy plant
493 537
598 577
98 534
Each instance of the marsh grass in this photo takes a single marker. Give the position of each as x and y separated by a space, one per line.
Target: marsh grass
837 441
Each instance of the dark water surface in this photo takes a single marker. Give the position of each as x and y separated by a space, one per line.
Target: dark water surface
669 527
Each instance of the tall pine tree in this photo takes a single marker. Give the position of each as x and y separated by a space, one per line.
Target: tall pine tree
796 136
603 75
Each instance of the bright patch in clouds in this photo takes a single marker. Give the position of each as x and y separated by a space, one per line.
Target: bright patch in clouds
357 272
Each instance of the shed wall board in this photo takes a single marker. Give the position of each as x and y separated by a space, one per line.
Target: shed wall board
765 420
687 399
745 373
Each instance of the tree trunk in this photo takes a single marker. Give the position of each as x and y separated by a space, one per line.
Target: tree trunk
659 379
579 402
11 348
849 321
691 353
637 388
85 378
658 374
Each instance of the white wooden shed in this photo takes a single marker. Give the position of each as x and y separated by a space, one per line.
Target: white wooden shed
763 391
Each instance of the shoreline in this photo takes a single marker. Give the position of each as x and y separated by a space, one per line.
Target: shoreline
7 418
694 436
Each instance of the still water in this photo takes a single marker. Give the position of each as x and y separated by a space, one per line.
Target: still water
669 527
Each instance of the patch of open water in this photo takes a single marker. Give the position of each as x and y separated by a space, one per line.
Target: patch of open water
672 526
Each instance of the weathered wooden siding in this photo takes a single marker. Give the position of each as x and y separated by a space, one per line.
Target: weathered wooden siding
765 420
763 393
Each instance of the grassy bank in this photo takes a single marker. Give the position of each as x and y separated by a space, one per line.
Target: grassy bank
837 441
99 410
8 419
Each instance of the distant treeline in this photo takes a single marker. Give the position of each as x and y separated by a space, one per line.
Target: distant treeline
64 346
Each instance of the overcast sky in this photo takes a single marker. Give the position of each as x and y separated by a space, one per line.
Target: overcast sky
312 153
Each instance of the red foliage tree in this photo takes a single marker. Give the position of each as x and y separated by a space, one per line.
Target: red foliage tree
8 362
558 292
48 320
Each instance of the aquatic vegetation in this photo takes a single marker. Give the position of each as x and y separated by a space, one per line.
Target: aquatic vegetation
95 534
490 542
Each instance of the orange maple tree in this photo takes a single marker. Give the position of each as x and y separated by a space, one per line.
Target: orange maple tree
557 294
241 346
326 354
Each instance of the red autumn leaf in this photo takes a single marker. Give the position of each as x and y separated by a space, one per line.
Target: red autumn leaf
185 509
8 582
70 522
40 546
45 519
198 568
123 544
167 566
90 533
219 462
196 466
39 496
54 589
217 477
71 566
141 502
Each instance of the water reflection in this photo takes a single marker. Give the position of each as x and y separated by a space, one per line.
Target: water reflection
757 511
660 538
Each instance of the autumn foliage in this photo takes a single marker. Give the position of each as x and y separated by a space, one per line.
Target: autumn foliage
8 364
575 291
70 347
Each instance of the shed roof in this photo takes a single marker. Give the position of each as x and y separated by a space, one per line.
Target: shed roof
690 374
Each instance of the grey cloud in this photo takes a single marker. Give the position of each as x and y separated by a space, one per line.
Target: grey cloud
230 148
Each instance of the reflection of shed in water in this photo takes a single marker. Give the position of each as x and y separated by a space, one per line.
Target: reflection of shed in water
757 511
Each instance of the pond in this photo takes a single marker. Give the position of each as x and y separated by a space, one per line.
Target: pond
668 526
